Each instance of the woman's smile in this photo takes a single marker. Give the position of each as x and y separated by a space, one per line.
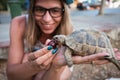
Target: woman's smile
47 26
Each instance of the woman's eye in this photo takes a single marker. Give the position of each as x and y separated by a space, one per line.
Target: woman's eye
39 9
56 10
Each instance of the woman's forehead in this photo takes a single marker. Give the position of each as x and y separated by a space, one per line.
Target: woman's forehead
55 1
48 3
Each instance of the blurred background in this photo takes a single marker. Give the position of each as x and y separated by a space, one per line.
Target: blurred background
103 15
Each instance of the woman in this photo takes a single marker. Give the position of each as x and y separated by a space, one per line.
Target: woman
41 62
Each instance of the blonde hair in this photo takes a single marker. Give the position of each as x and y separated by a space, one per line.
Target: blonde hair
33 31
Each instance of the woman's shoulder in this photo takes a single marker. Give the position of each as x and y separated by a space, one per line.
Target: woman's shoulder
19 22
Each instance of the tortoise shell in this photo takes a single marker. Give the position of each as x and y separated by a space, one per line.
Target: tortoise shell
86 42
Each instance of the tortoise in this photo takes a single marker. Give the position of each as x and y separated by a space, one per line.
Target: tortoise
86 42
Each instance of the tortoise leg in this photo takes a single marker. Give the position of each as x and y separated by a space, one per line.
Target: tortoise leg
68 56
114 61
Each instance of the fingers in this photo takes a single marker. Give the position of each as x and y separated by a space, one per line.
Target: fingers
42 63
31 57
99 62
79 59
47 63
45 57
41 59
47 41
117 53
115 49
42 51
38 53
117 56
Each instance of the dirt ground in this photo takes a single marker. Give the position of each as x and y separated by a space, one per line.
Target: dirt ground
3 69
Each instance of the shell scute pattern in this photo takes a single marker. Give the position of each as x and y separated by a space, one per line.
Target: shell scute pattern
86 42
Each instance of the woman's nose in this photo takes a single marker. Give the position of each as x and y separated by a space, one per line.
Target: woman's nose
47 17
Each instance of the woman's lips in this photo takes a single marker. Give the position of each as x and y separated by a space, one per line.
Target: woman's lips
47 27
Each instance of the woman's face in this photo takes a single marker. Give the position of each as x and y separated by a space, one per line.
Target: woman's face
47 15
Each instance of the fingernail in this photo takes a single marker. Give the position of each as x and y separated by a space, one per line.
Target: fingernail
54 50
106 56
49 47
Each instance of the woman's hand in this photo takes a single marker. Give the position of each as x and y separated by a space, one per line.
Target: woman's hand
41 58
60 61
117 53
98 58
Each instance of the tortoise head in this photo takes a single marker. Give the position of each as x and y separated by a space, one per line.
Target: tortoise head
60 38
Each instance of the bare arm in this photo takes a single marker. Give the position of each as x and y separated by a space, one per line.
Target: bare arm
18 68
15 68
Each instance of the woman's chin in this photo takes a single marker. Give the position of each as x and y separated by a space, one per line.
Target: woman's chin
48 32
